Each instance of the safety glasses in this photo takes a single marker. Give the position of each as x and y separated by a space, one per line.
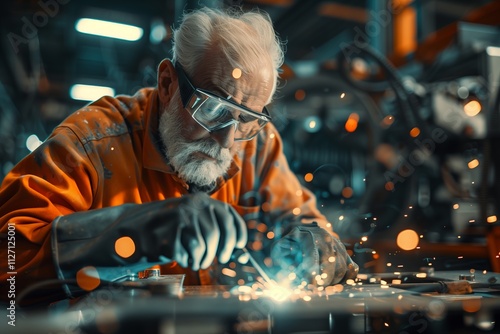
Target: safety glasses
214 113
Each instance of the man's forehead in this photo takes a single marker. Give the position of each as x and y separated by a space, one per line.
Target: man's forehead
252 88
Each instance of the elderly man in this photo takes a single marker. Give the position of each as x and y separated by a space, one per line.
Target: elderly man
179 175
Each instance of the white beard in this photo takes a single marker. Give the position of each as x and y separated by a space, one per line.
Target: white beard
181 153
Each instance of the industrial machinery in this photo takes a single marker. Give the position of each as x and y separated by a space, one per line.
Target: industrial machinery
387 149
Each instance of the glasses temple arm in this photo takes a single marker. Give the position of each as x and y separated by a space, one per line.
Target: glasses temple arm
186 88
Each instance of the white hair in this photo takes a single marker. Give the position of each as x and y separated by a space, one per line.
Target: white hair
247 39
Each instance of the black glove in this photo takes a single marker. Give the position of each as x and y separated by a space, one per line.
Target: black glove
191 230
308 251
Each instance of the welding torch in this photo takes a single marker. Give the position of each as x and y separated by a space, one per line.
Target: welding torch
259 268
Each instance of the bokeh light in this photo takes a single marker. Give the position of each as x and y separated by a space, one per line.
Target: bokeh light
472 108
407 239
300 94
308 177
414 132
352 122
347 192
87 278
473 164
236 73
125 247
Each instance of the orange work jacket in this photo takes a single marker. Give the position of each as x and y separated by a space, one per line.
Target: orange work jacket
107 154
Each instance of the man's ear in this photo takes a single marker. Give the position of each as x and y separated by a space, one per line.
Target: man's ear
167 81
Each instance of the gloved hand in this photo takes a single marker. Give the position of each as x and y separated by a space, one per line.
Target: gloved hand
191 230
308 251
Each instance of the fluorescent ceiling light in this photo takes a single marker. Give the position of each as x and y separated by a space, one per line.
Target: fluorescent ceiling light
89 93
108 29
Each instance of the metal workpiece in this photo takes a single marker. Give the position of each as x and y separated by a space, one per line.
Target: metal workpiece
152 281
150 273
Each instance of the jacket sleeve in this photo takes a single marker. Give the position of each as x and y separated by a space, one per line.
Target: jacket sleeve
86 248
56 179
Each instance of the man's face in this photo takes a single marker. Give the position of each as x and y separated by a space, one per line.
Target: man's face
200 161
199 156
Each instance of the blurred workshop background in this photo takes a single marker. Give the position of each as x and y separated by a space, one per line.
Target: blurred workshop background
388 109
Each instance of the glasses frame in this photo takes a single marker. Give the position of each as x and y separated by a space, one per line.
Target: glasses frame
193 98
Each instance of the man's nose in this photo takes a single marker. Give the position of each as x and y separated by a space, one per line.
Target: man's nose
225 136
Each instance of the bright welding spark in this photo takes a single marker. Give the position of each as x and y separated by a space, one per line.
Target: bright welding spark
228 272
245 289
243 258
337 288
278 293
244 297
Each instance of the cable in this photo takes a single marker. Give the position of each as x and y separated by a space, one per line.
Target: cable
42 284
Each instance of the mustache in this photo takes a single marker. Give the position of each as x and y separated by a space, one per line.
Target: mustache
207 146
